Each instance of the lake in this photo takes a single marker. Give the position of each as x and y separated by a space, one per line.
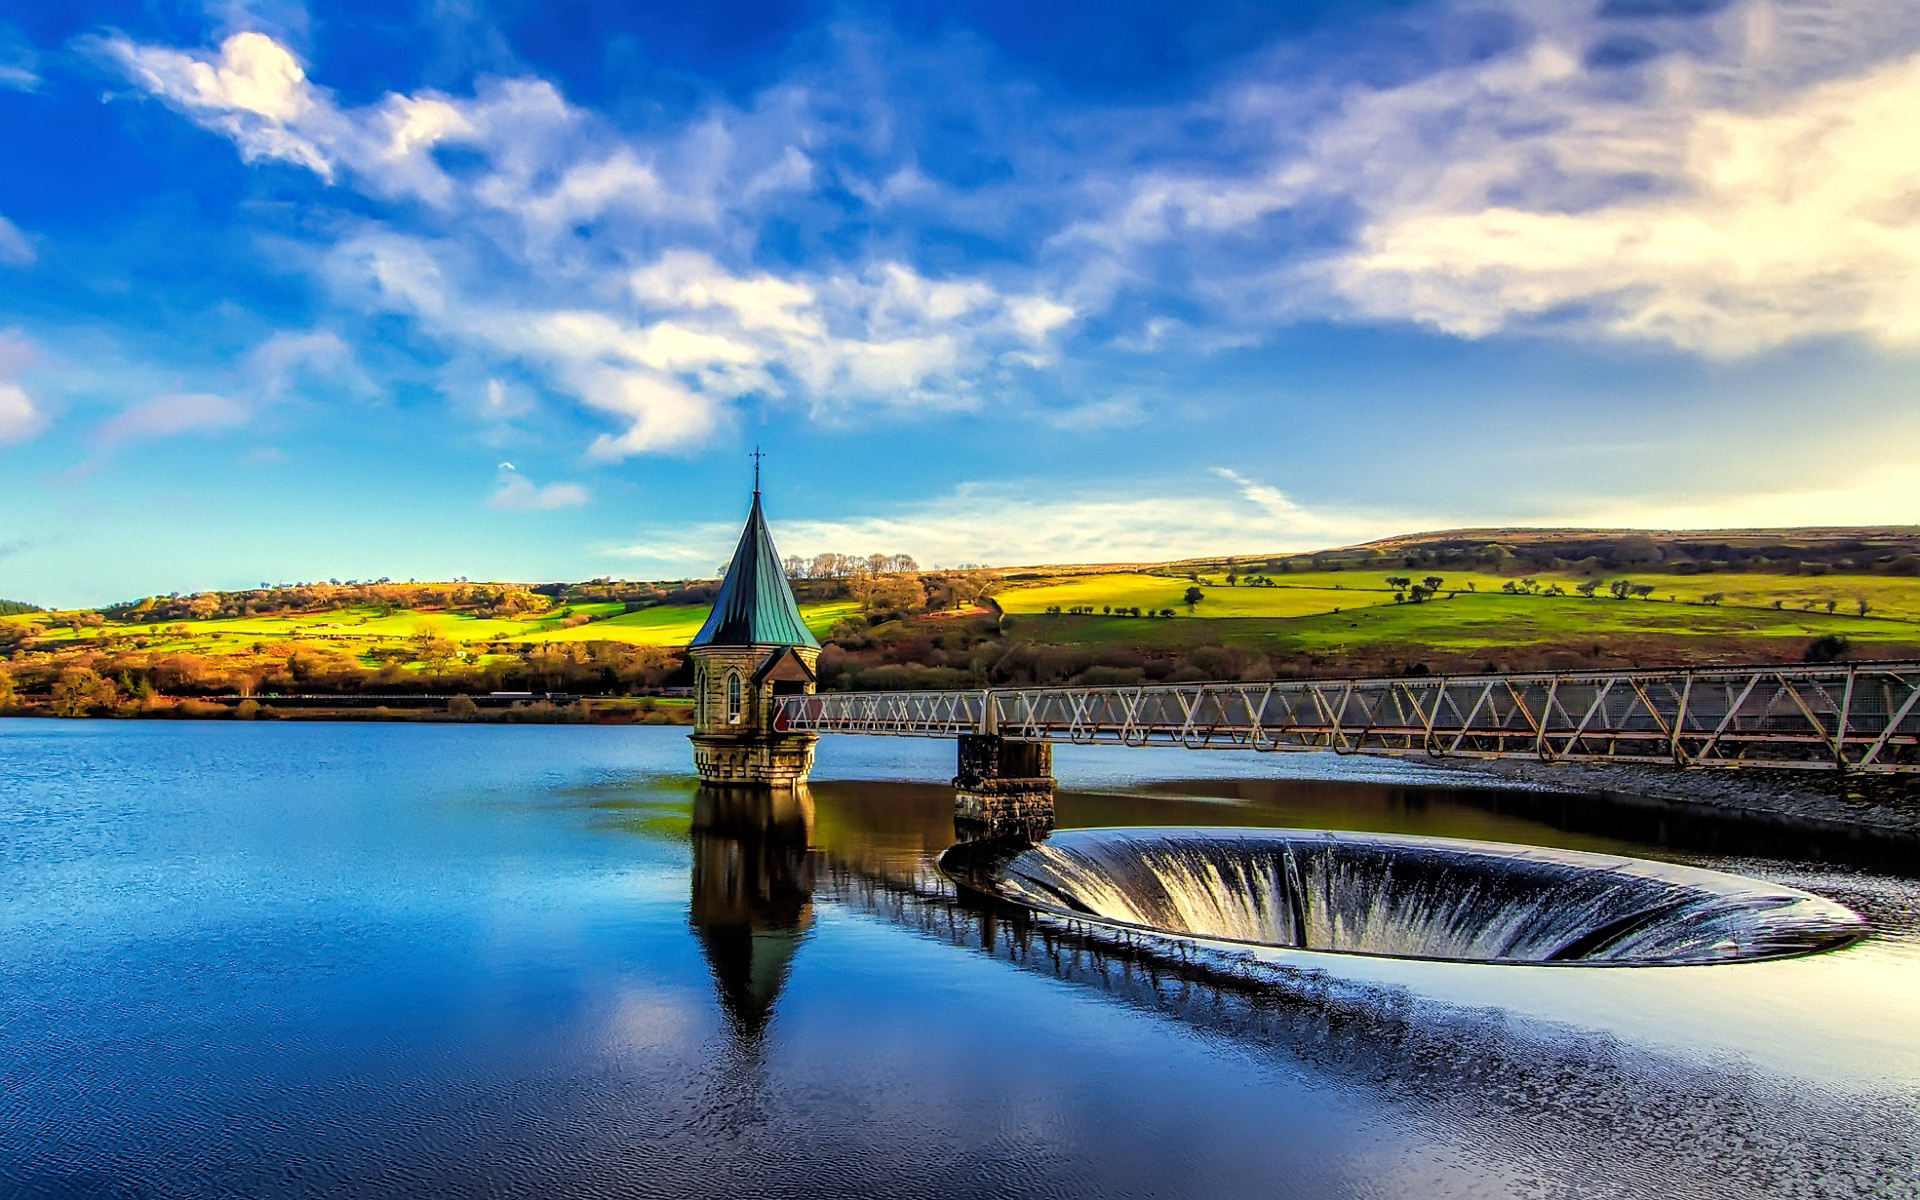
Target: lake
253 959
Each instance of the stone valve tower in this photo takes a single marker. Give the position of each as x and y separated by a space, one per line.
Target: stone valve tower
753 649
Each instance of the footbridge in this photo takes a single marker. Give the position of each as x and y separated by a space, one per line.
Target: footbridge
1850 717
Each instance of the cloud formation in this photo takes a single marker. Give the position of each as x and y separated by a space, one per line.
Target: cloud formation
1733 184
1721 179
618 293
15 249
1026 524
20 417
516 493
1735 229
171 414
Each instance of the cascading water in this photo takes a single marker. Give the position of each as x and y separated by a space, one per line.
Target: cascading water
1409 897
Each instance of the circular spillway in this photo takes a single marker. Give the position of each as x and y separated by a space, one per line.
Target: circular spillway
1403 896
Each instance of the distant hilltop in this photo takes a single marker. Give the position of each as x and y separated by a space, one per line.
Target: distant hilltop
1864 549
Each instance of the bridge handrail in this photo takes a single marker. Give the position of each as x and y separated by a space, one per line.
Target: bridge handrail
1850 716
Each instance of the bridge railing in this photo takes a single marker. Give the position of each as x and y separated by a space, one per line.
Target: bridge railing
1863 717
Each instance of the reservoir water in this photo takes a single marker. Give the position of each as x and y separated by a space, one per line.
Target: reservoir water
292 959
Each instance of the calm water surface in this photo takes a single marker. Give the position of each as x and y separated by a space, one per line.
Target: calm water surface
276 959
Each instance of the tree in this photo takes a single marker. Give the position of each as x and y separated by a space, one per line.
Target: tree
1432 583
1714 597
1827 648
8 697
1399 582
81 690
1831 604
1193 596
437 653
462 708
968 587
899 592
1860 602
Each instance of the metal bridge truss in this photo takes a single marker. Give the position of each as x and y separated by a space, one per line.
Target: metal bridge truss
1863 717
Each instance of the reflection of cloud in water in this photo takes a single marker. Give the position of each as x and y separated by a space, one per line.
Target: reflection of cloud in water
1564 1112
651 1018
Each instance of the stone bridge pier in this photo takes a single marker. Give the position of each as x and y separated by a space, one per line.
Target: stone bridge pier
1004 785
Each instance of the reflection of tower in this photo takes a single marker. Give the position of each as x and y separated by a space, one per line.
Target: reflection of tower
752 893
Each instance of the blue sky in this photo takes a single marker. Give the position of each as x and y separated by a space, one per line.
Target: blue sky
508 290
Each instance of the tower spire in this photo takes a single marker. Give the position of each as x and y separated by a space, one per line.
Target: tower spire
756 456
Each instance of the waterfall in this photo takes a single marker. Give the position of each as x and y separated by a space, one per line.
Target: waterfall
1410 897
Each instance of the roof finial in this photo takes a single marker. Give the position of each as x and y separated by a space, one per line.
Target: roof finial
756 456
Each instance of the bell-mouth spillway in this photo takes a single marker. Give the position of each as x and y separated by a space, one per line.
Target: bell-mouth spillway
1403 896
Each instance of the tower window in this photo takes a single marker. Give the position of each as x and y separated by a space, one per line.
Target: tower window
733 696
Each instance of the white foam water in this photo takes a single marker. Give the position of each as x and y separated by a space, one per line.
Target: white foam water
1409 897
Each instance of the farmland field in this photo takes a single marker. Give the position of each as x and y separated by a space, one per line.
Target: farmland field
360 631
1746 600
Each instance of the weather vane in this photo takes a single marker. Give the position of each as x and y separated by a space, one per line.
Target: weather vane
756 456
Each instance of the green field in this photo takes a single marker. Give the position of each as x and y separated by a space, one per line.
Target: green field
1360 624
1472 622
361 631
1156 592
1305 593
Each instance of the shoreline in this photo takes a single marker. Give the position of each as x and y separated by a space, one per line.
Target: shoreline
1825 803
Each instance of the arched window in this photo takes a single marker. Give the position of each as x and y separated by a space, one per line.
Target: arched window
733 695
700 693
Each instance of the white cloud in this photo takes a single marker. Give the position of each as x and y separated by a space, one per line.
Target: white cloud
253 90
1752 182
1027 524
1794 218
170 415
618 288
19 418
19 60
276 364
15 248
517 493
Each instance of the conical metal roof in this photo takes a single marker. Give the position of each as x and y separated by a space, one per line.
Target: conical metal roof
755 606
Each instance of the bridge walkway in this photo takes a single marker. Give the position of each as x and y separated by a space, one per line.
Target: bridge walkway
1852 717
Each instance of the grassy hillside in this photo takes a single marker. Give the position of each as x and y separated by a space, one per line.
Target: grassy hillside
1438 603
365 633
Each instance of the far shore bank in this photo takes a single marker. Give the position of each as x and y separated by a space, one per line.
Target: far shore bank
1818 804
579 710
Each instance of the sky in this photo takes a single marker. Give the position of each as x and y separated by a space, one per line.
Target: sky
510 289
